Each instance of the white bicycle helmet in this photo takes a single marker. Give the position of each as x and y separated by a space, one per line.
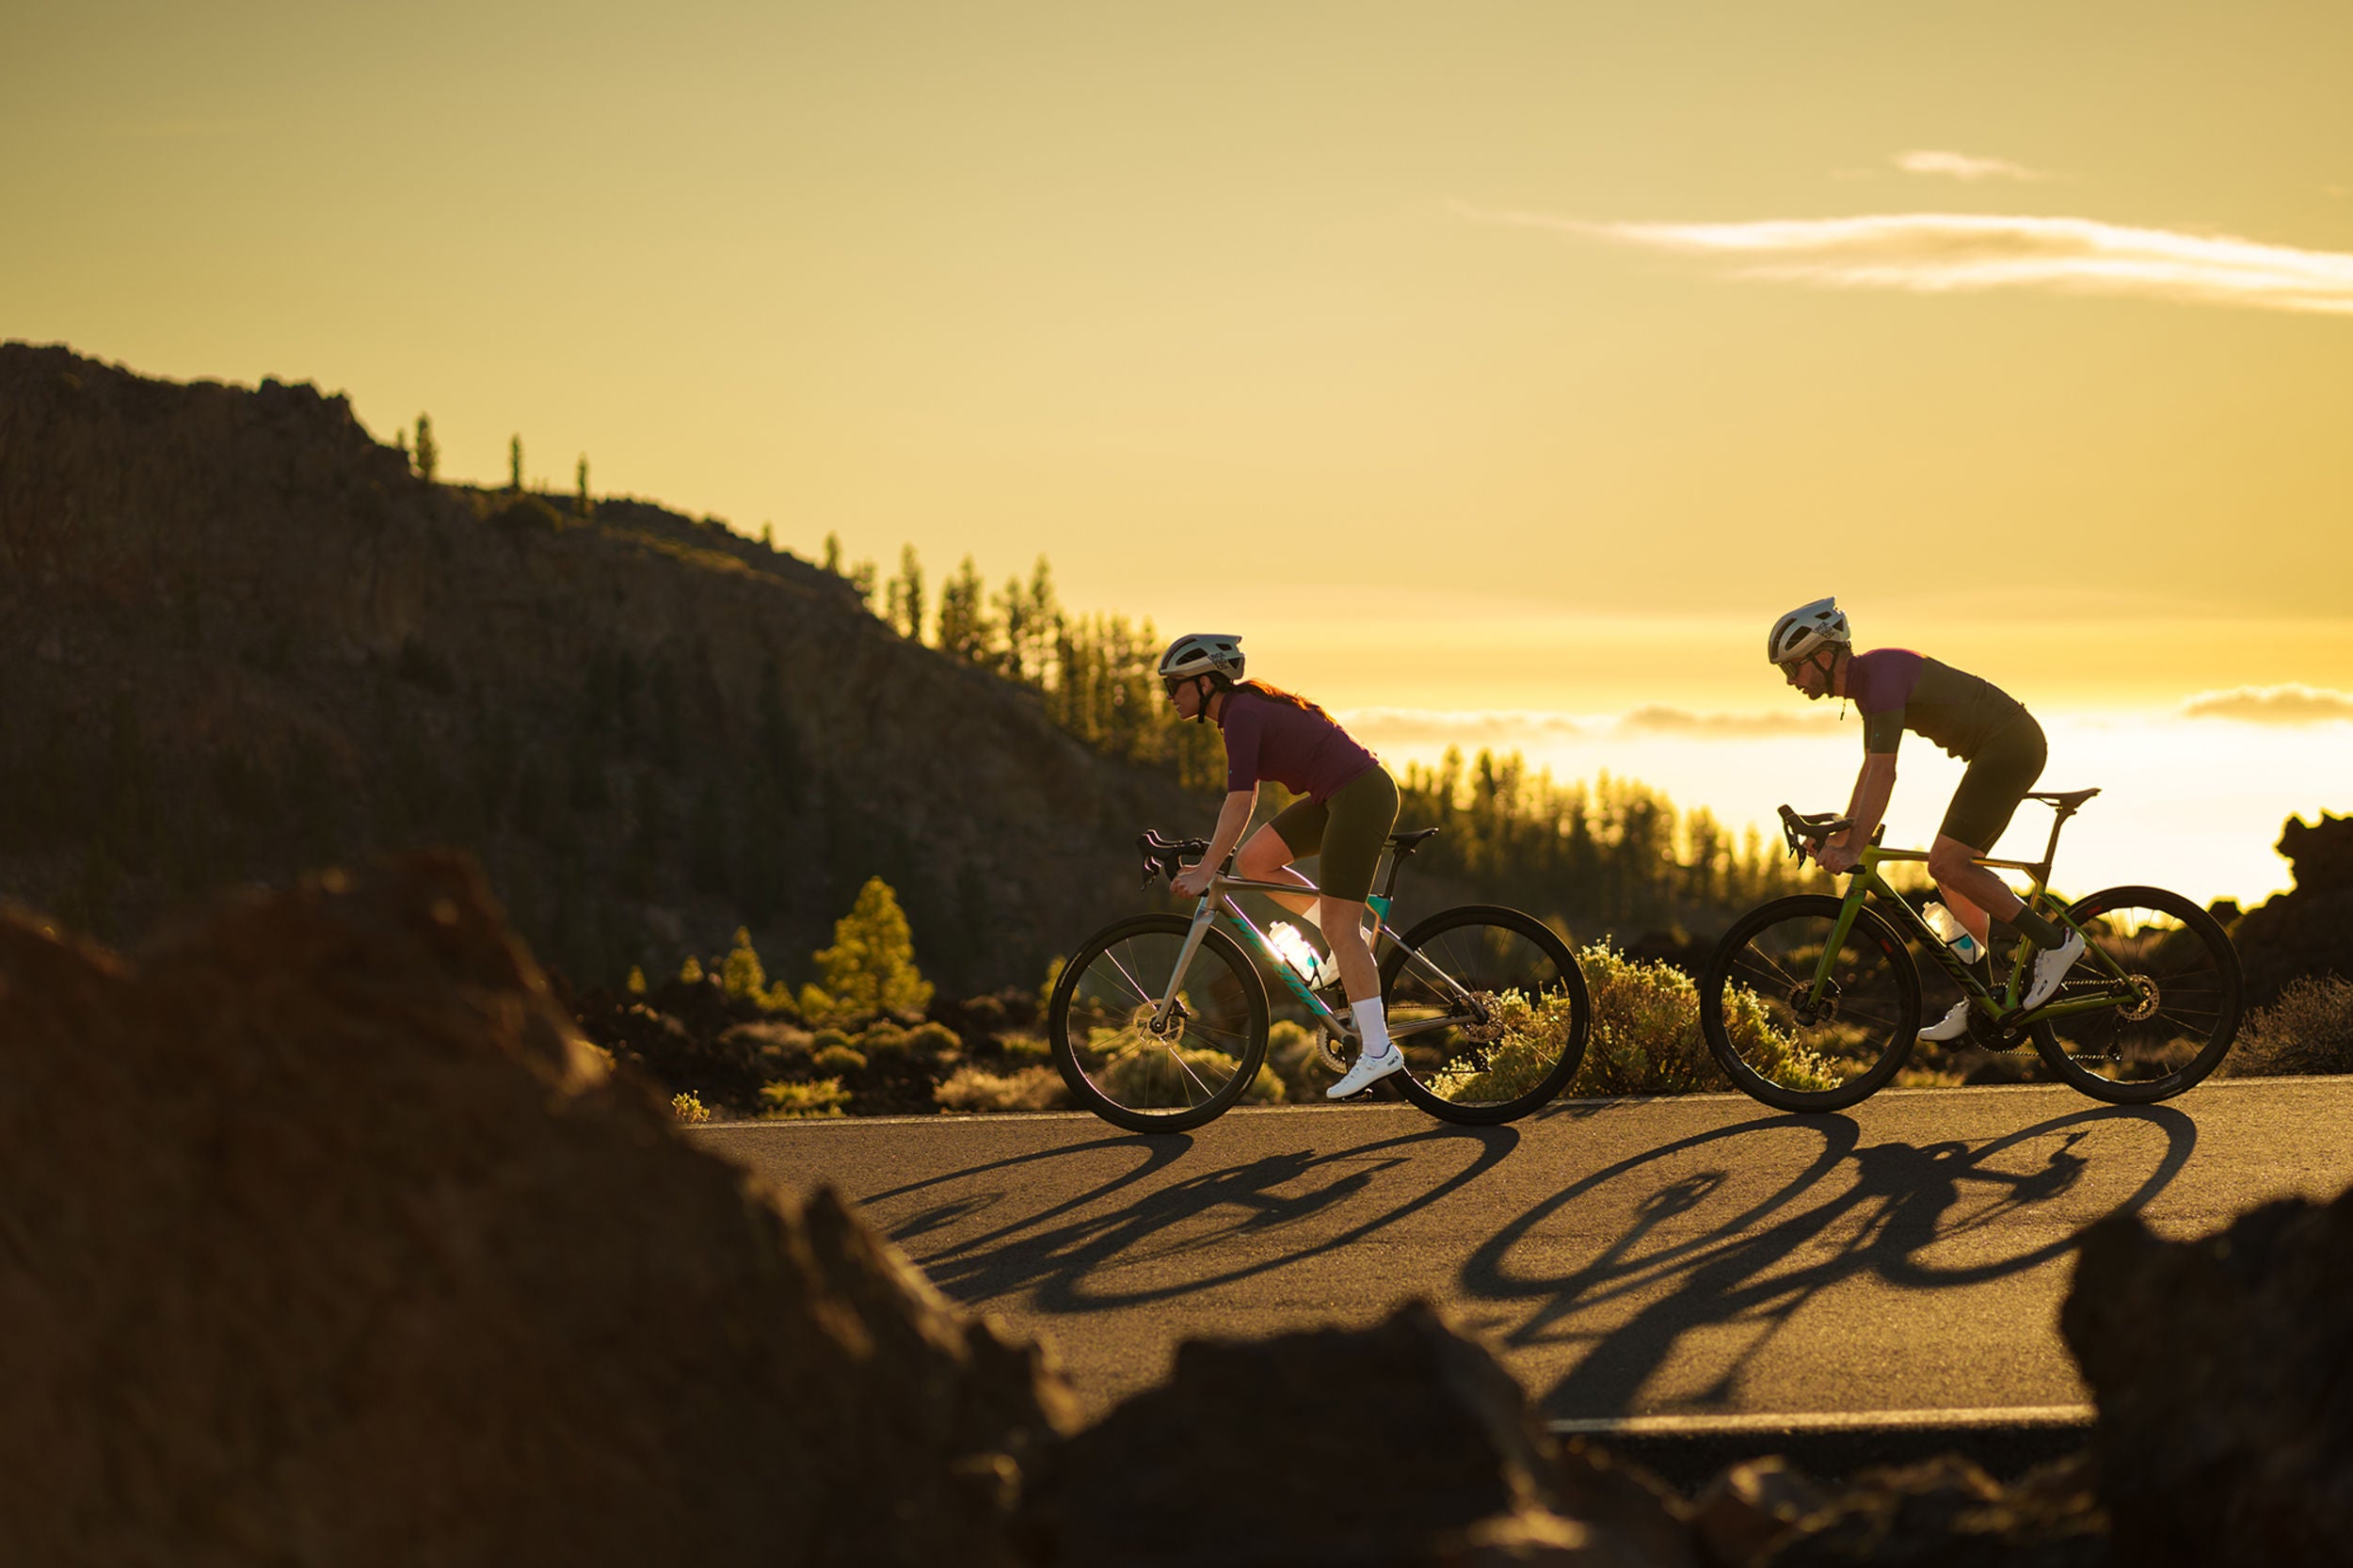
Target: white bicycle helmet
1203 653
1806 629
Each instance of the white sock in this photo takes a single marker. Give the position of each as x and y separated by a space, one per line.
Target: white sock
1372 1026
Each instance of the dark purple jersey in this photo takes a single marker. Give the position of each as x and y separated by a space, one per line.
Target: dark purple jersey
1304 752
1896 690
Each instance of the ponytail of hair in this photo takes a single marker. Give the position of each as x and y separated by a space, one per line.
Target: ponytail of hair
1278 695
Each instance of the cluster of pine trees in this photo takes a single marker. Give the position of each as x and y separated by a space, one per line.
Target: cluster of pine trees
1612 855
1093 672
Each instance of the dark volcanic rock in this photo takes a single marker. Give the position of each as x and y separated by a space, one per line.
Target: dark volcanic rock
1399 1444
324 1239
2223 1369
1949 1513
2309 929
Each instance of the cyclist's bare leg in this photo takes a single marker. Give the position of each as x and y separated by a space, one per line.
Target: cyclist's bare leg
1266 859
1344 928
1971 891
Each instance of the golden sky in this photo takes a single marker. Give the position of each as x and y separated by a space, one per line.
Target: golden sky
1479 356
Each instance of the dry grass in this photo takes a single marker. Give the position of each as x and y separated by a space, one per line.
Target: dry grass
1023 1089
2309 1030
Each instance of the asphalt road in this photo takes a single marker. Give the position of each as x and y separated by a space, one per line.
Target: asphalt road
1692 1260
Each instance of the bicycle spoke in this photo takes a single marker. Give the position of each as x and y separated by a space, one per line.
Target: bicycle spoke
1803 1025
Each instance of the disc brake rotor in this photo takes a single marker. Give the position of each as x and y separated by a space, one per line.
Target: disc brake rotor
2145 1006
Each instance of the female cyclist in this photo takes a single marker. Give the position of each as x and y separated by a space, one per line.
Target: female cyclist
1348 806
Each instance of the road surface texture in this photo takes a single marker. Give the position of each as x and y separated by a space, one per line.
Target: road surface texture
1695 1269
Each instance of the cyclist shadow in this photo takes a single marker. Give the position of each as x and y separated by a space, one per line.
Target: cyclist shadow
1661 1284
1080 1255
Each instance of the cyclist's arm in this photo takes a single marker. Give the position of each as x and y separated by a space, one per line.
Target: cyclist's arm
1872 786
1233 819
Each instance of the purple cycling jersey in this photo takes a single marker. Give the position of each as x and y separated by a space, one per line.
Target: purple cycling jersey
1304 752
1896 690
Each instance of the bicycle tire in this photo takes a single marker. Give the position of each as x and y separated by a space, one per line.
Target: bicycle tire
1808 1057
1488 950
1110 1058
2126 1058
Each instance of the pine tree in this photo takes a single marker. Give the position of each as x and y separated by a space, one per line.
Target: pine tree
428 453
833 553
587 507
514 462
741 974
871 967
905 595
963 627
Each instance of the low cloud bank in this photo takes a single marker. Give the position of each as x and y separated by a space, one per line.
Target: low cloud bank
2274 704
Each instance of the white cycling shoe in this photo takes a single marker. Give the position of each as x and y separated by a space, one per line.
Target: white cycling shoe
1368 1071
2051 968
1952 1025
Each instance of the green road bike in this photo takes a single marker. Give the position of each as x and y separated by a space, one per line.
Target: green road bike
1812 1002
1159 1023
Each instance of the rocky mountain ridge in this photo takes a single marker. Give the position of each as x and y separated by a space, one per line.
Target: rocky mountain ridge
238 636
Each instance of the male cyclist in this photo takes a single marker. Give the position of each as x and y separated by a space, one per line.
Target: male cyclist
1896 690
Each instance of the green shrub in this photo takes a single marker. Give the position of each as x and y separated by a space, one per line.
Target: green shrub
2309 1030
1518 1059
1039 1088
779 1045
788 1101
839 1059
1645 1037
688 1108
931 1043
1142 1073
1292 1056
1022 1050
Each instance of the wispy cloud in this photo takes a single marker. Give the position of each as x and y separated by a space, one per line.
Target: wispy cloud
2275 705
1960 165
1950 252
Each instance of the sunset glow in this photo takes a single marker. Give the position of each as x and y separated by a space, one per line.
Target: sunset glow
1521 363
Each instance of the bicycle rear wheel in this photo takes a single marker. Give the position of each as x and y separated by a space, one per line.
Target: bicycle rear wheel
1490 1008
2179 999
1780 1043
1201 1060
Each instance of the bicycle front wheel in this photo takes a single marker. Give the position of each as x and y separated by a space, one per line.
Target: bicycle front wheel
1802 1025
2175 980
1146 1072
1490 1008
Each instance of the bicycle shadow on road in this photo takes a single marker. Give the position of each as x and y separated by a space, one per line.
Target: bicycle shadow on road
1086 1254
1676 1273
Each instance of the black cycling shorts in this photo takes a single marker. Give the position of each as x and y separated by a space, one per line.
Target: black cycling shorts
1999 775
1348 830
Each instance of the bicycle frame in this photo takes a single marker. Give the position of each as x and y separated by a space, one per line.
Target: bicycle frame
1218 899
2001 1011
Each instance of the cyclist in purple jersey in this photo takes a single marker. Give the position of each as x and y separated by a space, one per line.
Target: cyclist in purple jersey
1896 690
1348 807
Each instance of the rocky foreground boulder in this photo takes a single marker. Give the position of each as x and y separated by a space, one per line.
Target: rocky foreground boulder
2223 1370
325 1240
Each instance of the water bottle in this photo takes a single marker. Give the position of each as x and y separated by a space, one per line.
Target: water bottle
1954 935
1285 939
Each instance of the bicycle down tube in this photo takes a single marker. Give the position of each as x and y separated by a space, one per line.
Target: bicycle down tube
1218 899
